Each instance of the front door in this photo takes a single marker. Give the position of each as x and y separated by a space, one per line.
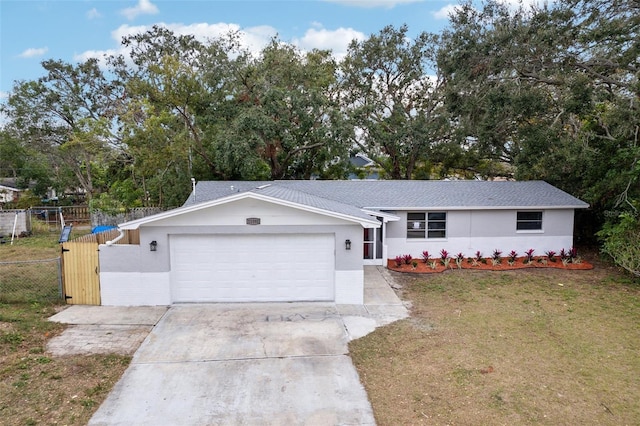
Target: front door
372 252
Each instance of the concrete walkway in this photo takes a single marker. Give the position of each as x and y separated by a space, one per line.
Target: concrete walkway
381 305
103 329
268 363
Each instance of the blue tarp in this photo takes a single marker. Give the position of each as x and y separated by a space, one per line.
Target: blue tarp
102 228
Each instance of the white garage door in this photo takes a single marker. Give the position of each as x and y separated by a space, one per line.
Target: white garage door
249 268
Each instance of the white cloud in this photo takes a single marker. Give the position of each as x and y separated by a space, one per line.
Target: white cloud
4 95
33 52
515 4
93 14
97 54
252 38
370 4
144 7
255 38
526 5
446 11
335 40
201 31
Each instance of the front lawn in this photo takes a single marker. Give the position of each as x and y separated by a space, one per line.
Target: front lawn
36 387
524 347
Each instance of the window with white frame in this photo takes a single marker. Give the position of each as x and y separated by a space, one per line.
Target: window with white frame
529 221
426 225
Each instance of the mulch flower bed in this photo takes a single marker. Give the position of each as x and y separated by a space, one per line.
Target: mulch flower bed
423 267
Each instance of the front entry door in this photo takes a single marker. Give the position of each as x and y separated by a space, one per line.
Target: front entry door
372 252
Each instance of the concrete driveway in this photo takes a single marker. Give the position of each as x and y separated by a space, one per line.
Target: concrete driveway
251 364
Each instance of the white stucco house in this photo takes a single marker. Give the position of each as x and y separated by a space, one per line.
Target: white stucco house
308 240
9 193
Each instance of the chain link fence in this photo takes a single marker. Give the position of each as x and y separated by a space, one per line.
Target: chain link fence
30 281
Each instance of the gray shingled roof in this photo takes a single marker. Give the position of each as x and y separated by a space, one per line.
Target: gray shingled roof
288 194
399 195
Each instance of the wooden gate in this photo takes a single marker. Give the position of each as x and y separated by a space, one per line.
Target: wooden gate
81 266
81 273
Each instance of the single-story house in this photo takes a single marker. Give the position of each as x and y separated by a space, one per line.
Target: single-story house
9 192
308 240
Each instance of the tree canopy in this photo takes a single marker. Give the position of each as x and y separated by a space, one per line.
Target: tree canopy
545 92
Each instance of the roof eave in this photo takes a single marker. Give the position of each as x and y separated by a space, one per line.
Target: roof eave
388 217
452 208
135 224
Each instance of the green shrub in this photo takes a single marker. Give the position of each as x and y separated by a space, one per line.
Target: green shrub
621 241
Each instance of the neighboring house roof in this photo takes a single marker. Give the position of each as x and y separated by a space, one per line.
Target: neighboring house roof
9 188
404 195
10 183
365 167
361 160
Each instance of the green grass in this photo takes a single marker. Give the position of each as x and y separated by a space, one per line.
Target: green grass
521 348
42 244
36 388
29 269
30 282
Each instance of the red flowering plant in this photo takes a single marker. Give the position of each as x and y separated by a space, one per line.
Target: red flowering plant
529 256
444 257
496 257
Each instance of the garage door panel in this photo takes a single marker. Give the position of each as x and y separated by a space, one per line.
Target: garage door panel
242 268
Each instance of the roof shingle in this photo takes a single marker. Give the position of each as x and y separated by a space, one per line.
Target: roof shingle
343 196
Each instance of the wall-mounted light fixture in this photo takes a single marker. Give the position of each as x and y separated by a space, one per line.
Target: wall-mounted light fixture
347 244
153 245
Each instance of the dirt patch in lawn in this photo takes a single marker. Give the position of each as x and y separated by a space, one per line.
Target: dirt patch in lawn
535 346
39 388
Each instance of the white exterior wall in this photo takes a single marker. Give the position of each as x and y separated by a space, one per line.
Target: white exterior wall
349 287
236 212
135 288
154 289
132 275
8 194
485 230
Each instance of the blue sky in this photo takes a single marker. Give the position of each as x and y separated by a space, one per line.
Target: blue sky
74 30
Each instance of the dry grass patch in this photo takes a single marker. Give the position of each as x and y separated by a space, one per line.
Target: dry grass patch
35 387
526 347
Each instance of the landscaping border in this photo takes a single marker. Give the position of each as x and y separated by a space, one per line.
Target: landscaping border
436 265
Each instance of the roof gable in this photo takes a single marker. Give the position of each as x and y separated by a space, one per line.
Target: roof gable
311 204
9 188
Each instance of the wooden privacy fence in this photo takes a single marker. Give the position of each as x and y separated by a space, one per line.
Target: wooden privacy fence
81 268
52 216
